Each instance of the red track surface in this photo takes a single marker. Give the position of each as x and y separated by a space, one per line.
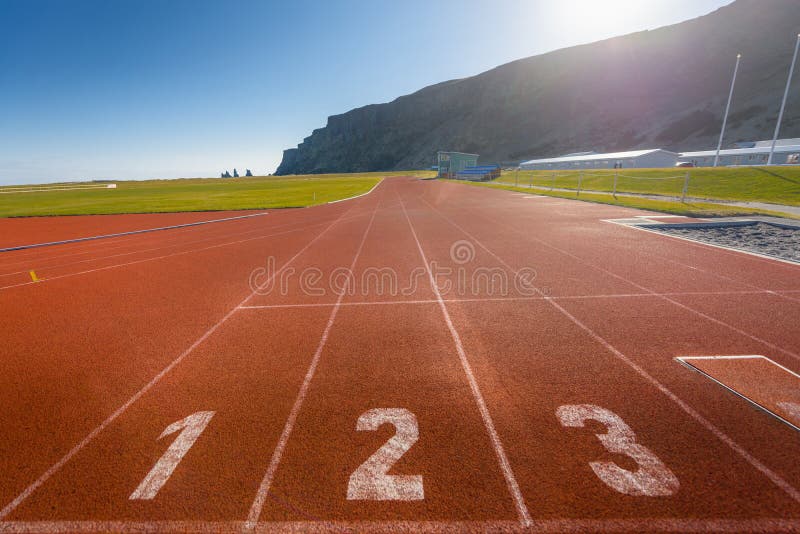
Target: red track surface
125 336
20 231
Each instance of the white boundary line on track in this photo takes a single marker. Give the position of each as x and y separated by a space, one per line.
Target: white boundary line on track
505 465
6 191
681 305
643 288
180 253
77 249
10 507
110 245
699 242
684 360
720 276
35 261
742 357
500 299
776 479
357 196
541 525
132 232
266 482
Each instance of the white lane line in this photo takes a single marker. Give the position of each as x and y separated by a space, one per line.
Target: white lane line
776 479
92 247
610 296
728 250
648 290
358 196
178 242
685 307
26 256
10 507
545 525
181 253
266 482
57 527
722 277
6 191
716 274
685 360
735 357
767 524
505 465
132 232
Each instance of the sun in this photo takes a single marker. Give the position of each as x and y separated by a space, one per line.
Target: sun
589 20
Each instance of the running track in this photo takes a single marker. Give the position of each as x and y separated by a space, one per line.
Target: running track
551 401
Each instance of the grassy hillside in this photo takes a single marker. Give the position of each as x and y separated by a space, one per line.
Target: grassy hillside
777 185
202 194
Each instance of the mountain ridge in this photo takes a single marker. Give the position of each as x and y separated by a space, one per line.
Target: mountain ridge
664 88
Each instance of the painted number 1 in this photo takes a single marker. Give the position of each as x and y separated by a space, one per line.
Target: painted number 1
191 428
652 478
370 481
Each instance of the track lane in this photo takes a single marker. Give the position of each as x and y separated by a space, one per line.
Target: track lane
401 351
248 385
140 250
524 387
70 392
389 357
19 231
486 342
668 316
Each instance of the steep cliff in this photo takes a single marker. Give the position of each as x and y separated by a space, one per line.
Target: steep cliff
660 88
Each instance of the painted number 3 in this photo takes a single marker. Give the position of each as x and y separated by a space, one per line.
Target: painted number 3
652 478
371 481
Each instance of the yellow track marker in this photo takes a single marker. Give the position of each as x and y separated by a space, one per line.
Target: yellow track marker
34 277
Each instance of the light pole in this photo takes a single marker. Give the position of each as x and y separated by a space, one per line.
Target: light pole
783 103
727 108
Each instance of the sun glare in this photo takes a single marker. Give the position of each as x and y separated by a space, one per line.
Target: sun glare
592 19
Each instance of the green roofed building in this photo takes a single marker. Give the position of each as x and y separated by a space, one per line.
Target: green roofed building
450 163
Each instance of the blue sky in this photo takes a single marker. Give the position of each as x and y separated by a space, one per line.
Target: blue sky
163 89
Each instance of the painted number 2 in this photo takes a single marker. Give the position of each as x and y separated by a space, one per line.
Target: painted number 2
370 481
191 428
652 478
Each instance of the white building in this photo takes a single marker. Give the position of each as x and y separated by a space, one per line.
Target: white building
754 155
650 158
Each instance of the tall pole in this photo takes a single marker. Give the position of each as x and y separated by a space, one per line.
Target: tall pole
783 103
727 108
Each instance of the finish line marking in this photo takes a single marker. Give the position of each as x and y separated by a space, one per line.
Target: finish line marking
762 382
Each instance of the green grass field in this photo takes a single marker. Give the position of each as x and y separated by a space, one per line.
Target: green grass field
691 209
777 185
194 194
